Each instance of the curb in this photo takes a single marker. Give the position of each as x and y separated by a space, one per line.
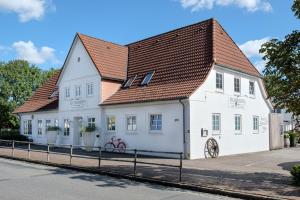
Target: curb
192 187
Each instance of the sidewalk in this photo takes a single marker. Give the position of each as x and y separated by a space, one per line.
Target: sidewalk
264 174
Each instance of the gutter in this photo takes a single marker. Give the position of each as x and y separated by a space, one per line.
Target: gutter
183 128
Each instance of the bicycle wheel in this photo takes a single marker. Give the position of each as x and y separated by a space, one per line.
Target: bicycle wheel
121 147
109 147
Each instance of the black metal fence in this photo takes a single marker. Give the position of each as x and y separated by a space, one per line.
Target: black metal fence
98 151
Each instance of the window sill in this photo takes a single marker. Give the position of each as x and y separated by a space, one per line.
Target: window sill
219 91
255 132
252 96
110 132
238 133
216 133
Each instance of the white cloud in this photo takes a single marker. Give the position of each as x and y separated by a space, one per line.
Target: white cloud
251 47
28 51
249 5
27 9
260 64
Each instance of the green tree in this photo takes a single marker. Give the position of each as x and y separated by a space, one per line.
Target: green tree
18 80
282 70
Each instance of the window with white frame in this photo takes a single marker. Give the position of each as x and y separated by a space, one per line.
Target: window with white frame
91 122
216 122
56 123
67 92
66 127
27 127
155 122
219 81
77 91
251 88
89 89
237 85
255 124
238 123
131 122
40 127
47 123
111 123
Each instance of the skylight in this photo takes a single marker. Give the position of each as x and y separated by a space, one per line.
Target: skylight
129 82
147 78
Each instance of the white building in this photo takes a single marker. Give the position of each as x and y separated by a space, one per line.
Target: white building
171 92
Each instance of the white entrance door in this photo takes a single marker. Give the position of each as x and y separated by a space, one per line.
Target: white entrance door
76 130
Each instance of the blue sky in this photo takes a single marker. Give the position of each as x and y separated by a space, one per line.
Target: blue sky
41 31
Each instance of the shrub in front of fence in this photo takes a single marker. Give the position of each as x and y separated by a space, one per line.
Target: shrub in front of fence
12 135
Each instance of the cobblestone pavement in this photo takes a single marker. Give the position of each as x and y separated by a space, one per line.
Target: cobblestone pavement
263 173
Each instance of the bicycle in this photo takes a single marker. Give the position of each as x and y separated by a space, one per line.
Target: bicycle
114 144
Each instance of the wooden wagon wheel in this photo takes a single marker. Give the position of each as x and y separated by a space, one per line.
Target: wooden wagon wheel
211 148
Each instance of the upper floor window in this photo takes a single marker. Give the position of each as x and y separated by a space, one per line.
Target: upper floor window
251 88
77 91
67 92
111 123
66 127
129 82
147 78
219 81
238 123
90 89
237 85
155 122
255 124
131 123
28 127
216 122
40 127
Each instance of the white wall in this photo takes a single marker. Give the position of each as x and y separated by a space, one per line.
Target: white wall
171 137
47 115
206 100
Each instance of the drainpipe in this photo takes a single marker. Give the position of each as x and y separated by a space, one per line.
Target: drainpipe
183 128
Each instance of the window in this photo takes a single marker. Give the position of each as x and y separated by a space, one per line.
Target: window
67 92
111 123
216 122
255 123
40 127
56 123
66 127
129 82
155 122
251 88
237 85
147 78
238 123
131 123
90 89
77 91
48 123
219 81
27 127
91 122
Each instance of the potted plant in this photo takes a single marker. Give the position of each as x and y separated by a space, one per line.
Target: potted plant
293 137
52 132
88 134
286 140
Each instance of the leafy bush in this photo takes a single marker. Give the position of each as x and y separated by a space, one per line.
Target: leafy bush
12 135
296 174
53 128
293 137
89 129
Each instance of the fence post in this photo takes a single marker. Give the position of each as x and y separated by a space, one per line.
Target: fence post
28 150
135 157
71 154
13 148
48 152
99 161
180 168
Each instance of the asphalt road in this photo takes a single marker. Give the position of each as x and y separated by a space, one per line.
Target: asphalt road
19 180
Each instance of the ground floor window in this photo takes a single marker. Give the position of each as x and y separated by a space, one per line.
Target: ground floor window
111 123
255 124
155 122
40 127
66 127
131 123
238 123
91 122
27 127
47 123
216 122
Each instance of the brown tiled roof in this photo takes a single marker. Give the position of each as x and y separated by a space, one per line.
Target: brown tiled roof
109 58
182 60
41 99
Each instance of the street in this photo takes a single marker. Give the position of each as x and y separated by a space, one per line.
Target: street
19 180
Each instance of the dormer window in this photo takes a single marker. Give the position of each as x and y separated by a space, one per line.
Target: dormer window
147 78
129 82
54 94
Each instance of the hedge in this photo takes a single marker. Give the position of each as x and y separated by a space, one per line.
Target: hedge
12 135
296 174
